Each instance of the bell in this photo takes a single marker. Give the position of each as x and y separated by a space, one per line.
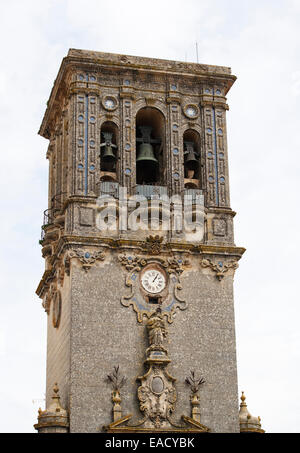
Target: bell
108 154
191 162
146 154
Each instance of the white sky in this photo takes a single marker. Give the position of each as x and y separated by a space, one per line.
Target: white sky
260 41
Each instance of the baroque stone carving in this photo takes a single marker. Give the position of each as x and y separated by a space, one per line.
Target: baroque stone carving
220 268
56 309
157 394
46 302
87 258
173 301
54 418
154 244
194 384
219 227
117 383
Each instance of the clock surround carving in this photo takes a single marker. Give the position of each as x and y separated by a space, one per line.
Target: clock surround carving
170 301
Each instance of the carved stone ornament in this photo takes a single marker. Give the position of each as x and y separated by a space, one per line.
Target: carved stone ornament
194 384
154 244
46 302
86 258
220 268
219 227
171 303
54 419
157 393
117 383
56 309
49 297
60 273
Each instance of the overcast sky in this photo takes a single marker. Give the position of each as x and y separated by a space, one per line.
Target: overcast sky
260 41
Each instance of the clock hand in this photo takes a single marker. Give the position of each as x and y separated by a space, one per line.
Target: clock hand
155 278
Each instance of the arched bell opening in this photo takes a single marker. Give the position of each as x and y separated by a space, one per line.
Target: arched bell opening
192 161
109 162
150 145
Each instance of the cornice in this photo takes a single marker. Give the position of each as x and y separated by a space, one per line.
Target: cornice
82 59
69 241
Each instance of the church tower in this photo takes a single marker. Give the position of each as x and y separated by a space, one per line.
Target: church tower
139 248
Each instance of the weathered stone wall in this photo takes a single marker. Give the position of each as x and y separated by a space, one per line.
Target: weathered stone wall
58 348
106 334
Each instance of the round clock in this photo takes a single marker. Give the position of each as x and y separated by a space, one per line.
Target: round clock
153 281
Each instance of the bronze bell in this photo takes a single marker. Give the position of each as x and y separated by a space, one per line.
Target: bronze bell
108 154
146 154
191 161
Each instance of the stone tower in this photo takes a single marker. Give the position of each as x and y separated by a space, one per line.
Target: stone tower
139 248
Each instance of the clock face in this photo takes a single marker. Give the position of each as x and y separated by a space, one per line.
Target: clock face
153 281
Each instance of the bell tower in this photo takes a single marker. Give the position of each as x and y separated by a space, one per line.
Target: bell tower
139 248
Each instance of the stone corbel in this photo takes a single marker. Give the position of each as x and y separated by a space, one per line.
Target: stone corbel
220 267
86 258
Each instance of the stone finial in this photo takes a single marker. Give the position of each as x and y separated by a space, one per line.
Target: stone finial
54 418
117 383
194 385
248 423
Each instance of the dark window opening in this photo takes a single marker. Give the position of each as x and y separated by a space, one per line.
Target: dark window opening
150 136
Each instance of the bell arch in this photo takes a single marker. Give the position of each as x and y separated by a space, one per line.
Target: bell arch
192 159
109 150
150 147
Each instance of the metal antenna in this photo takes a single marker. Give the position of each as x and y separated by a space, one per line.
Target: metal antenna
197 52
